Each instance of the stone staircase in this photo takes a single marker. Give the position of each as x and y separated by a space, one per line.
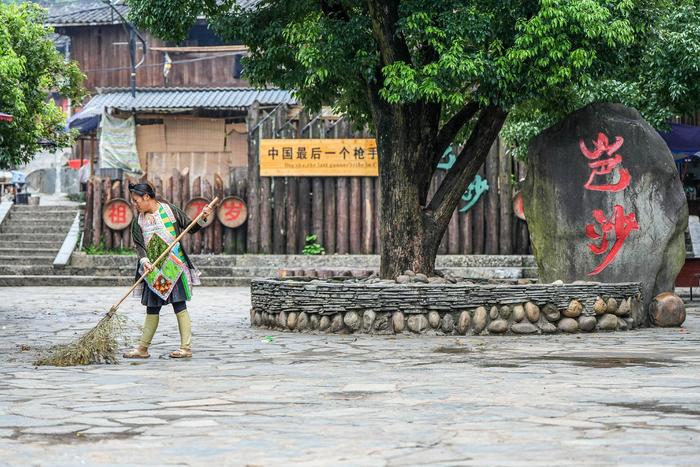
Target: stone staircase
30 237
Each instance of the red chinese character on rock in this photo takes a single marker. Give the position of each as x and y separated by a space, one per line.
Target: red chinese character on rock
620 223
233 209
117 213
605 166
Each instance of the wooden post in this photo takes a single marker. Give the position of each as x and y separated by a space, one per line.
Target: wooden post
478 223
208 231
377 215
465 227
304 203
216 225
505 197
279 199
239 234
292 216
491 224
367 215
342 201
106 195
89 210
177 189
253 195
96 211
196 237
523 233
453 234
185 176
158 187
317 214
355 230
169 182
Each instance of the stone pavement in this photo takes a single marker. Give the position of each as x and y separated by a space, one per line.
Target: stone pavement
626 398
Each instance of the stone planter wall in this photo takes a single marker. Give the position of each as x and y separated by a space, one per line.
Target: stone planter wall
449 309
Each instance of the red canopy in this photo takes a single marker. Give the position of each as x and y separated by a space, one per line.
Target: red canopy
6 117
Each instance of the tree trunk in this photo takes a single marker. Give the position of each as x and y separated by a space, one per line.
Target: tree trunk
412 226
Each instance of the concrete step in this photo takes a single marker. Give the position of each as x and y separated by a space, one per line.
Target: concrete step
4 252
18 237
34 216
44 261
43 209
29 229
103 281
31 244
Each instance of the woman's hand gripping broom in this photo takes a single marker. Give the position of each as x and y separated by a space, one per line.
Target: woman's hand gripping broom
100 344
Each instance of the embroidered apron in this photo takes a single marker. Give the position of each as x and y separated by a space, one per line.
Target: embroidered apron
159 233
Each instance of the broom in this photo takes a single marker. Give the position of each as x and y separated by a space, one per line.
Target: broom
100 344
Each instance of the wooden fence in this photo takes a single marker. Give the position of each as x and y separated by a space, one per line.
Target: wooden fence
178 189
341 211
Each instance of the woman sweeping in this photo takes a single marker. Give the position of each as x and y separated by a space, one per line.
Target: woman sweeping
171 280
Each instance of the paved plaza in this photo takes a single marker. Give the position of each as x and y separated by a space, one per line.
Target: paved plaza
263 398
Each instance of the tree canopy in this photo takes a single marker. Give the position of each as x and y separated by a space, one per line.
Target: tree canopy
31 68
536 59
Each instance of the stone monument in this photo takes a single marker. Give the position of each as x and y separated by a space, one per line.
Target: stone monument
604 202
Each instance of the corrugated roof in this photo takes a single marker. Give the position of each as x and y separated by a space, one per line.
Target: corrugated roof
168 100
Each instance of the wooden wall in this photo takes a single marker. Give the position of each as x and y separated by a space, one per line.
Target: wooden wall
103 55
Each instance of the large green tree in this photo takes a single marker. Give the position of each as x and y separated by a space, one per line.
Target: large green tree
427 74
31 68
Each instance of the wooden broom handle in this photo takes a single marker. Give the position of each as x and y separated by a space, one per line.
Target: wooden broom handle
213 203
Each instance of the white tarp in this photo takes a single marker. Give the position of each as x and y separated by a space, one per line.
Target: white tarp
118 144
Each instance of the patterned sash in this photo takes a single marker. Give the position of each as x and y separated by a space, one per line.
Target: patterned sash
159 233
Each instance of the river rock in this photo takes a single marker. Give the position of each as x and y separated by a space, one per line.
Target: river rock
612 305
573 310
302 321
417 323
314 322
667 310
434 319
368 318
420 277
282 319
480 318
607 322
337 322
572 207
600 307
463 322
498 326
403 279
568 325
398 322
518 313
532 311
257 319
493 313
547 328
381 322
292 320
587 323
352 320
504 312
551 312
448 323
624 308
324 324
524 328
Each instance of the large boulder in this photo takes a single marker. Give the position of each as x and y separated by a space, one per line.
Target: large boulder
604 202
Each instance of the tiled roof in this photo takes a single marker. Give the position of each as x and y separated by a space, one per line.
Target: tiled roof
85 14
170 100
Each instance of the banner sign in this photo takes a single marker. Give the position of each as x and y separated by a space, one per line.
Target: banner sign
118 144
319 158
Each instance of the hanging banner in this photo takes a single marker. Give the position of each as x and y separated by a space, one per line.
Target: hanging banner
118 144
319 158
